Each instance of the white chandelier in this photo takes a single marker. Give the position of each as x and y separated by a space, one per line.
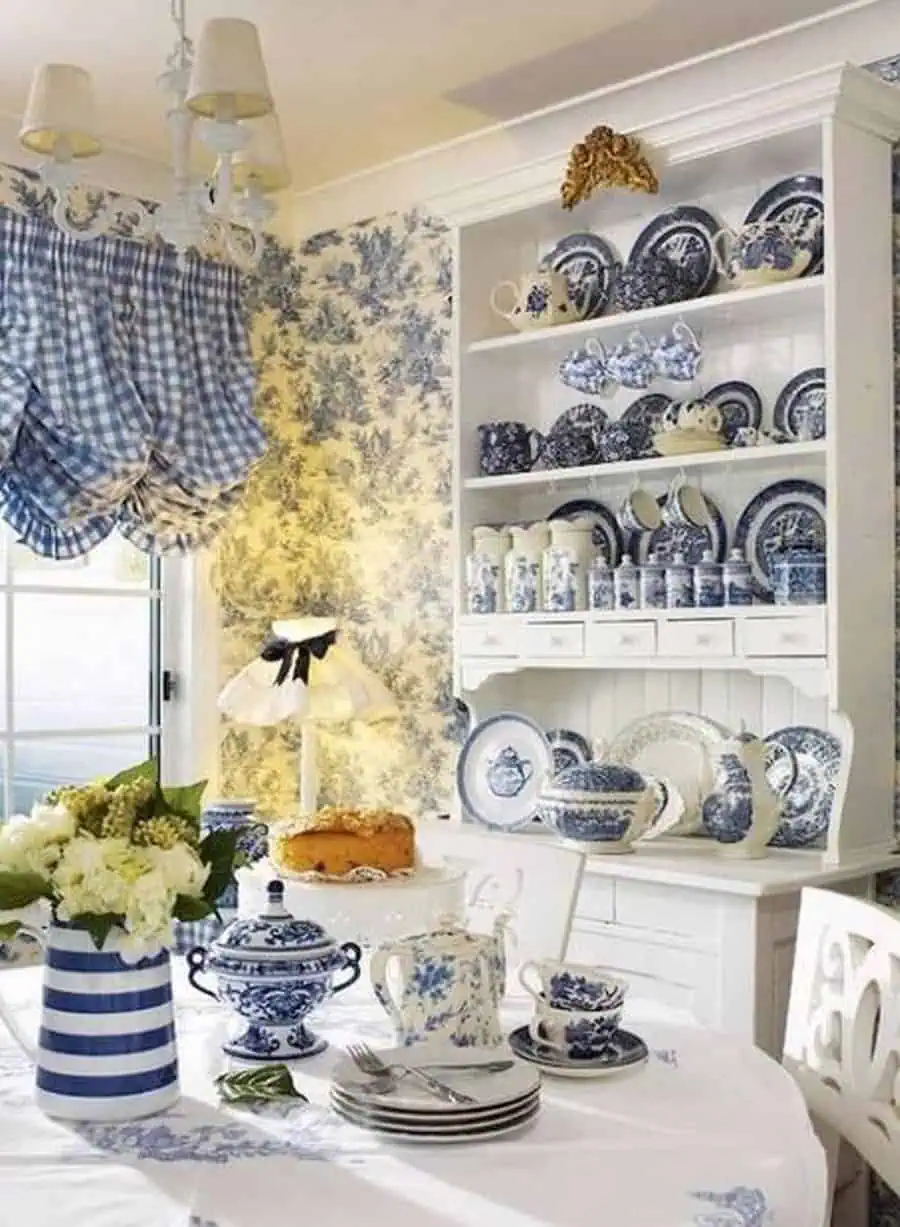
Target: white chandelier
223 91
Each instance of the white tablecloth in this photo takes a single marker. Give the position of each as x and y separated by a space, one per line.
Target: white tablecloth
710 1133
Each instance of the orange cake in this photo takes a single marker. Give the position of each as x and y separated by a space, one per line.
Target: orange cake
335 841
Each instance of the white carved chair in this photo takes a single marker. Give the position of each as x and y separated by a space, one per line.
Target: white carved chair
534 877
842 1040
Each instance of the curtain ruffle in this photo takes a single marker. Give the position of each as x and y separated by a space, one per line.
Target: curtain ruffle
126 392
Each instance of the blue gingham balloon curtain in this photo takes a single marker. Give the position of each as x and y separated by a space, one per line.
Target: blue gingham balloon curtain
126 392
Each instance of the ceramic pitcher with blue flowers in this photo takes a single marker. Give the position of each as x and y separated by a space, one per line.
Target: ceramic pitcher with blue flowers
444 986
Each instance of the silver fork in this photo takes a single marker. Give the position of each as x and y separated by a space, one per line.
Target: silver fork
366 1060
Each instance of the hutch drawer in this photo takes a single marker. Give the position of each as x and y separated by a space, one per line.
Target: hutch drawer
707 637
552 639
488 640
803 635
621 639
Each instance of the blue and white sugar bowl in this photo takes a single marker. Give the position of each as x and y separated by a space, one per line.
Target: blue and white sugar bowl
598 807
273 970
798 577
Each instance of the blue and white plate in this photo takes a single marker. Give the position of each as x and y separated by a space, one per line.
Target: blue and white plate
501 770
588 264
786 515
646 415
802 767
606 536
685 236
800 409
624 1051
740 405
574 438
671 539
799 200
569 749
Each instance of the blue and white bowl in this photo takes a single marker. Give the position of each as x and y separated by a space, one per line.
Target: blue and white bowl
273 970
600 807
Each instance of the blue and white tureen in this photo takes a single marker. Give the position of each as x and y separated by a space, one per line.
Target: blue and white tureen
600 807
273 970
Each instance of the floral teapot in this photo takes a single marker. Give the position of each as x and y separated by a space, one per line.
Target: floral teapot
742 812
444 986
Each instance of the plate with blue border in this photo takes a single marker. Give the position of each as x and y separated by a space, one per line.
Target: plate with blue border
588 263
671 539
802 767
796 200
606 534
801 406
685 235
740 405
625 1050
787 515
569 749
501 770
646 414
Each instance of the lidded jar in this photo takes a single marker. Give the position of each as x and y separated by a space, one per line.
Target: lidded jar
709 589
798 577
653 583
566 562
679 583
601 584
628 584
737 580
484 569
522 566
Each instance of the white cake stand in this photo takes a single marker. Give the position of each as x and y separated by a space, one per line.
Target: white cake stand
364 912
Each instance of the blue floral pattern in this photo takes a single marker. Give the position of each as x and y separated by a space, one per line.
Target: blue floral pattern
433 978
738 1207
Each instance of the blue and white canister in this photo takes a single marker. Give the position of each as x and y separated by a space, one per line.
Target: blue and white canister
653 583
737 579
679 583
522 567
709 585
601 585
627 584
484 568
798 577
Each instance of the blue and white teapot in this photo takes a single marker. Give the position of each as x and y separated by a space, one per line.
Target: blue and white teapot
273 970
444 986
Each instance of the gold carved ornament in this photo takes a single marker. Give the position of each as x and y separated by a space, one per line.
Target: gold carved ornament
606 159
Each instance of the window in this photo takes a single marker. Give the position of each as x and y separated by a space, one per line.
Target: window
81 666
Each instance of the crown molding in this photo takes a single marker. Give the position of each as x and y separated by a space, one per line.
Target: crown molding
525 153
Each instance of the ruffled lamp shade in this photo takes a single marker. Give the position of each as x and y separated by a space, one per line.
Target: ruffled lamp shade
305 673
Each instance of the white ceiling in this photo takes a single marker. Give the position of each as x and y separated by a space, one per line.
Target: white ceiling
359 82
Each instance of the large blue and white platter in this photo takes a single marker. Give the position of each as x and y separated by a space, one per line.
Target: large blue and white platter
671 539
588 263
802 766
800 409
685 236
799 201
501 769
787 515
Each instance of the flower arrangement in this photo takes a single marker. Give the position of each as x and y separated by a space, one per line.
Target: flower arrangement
120 852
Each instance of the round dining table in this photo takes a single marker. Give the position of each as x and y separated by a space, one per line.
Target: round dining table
709 1132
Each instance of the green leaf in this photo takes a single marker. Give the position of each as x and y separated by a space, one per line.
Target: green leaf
218 851
189 907
141 771
267 1082
8 931
186 800
19 889
98 924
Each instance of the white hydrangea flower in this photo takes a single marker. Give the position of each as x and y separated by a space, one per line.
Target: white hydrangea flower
148 916
34 843
97 875
181 868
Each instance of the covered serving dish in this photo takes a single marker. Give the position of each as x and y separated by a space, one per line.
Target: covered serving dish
273 970
600 807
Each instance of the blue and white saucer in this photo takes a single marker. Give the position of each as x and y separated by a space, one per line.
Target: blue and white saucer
802 766
800 409
799 201
739 404
588 263
501 770
686 236
624 1051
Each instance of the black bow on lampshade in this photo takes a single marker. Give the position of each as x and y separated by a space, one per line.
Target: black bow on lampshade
296 656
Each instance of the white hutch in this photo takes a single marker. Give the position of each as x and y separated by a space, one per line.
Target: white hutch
694 932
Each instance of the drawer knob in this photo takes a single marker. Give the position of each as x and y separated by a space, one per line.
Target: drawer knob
626 640
489 640
789 637
557 641
704 641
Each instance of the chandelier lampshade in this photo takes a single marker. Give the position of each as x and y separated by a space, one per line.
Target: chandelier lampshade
262 161
228 79
60 118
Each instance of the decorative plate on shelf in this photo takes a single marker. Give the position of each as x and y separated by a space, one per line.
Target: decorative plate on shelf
685 236
569 749
645 414
692 542
786 515
501 770
740 405
800 409
574 438
675 747
802 767
797 200
607 535
588 263
625 1050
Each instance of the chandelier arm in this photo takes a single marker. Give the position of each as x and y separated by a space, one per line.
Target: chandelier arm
126 217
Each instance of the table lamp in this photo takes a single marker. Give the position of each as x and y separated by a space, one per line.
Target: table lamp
306 672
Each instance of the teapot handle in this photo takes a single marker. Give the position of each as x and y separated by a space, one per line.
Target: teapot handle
196 961
378 967
504 285
28 1046
722 261
353 955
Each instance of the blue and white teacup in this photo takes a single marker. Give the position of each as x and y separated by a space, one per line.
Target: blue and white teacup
640 512
574 1034
585 371
685 506
677 354
572 986
631 364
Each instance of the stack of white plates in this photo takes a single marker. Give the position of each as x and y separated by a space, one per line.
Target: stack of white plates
506 1102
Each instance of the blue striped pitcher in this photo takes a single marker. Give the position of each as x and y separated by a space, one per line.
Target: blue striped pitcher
106 1046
